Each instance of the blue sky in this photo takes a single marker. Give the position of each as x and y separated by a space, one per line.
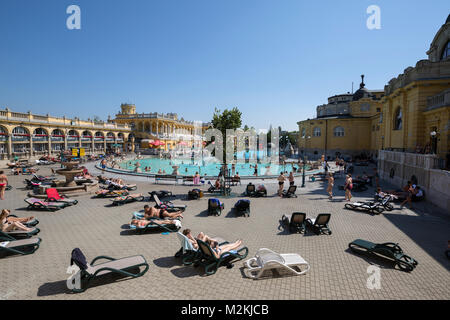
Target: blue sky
274 60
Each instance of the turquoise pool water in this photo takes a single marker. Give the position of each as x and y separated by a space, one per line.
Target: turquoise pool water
210 169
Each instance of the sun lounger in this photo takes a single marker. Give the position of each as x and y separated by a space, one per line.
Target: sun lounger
372 207
290 193
154 226
127 199
188 253
320 224
161 194
296 224
250 190
167 205
29 224
19 234
54 196
103 193
211 263
215 207
242 207
22 247
128 187
129 267
266 259
38 204
388 250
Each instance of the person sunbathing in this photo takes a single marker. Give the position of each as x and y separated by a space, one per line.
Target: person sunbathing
15 219
7 225
152 213
201 236
219 250
143 222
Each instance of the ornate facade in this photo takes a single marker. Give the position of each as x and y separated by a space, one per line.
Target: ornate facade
28 135
149 127
348 125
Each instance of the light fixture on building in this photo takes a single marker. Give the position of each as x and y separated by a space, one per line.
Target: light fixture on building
433 134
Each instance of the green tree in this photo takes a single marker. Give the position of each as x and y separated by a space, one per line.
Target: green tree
228 119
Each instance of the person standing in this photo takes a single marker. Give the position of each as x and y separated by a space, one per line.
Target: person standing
348 187
281 178
3 184
377 177
291 179
103 165
330 185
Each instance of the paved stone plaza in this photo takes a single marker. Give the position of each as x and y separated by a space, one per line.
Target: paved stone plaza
335 272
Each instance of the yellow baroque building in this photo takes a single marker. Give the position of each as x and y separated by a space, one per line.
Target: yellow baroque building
147 128
349 125
29 135
410 115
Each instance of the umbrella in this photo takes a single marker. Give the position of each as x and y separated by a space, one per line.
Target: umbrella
182 143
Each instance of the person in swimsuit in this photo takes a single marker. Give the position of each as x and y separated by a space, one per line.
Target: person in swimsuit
3 184
281 178
201 236
348 187
152 213
14 219
219 250
330 185
143 223
291 178
9 225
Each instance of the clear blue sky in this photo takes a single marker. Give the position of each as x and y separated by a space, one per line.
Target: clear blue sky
275 60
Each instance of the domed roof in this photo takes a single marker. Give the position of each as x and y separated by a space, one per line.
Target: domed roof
362 91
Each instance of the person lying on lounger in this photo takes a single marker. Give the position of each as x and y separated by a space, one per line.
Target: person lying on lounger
201 236
14 219
151 212
143 222
7 225
219 250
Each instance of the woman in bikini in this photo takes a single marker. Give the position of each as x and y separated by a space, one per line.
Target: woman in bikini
8 225
330 185
281 178
143 222
3 184
348 187
14 219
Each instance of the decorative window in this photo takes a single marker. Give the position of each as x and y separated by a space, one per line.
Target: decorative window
339 132
317 132
446 51
365 107
398 119
303 133
381 117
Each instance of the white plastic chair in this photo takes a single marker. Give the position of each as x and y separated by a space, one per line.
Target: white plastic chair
266 259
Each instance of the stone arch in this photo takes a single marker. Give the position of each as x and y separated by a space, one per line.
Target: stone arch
87 133
57 132
20 130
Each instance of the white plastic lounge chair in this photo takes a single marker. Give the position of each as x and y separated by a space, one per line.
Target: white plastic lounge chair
266 259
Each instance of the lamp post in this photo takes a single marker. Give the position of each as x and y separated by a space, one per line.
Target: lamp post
304 162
